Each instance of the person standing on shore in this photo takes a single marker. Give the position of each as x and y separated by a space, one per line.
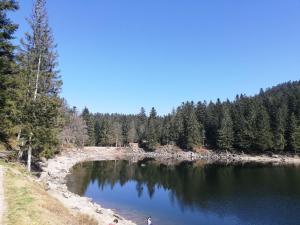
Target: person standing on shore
115 222
149 221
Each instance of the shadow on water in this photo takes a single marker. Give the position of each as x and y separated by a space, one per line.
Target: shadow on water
192 192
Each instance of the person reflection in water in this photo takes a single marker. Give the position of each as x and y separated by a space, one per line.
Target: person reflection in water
115 222
149 221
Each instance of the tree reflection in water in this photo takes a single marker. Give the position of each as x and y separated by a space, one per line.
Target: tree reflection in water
244 194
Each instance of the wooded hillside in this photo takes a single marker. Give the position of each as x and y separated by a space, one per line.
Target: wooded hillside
269 120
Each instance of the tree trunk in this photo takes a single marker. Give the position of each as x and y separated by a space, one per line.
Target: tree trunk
37 78
20 154
29 155
19 135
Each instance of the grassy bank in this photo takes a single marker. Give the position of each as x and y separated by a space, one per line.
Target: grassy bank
27 202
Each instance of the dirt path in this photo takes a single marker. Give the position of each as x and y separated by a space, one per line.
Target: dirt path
2 203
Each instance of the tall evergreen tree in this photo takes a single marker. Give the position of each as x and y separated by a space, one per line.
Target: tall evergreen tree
192 129
225 133
125 129
132 132
151 131
38 61
201 112
211 125
244 120
105 134
165 137
263 136
117 133
141 124
293 134
8 106
279 141
87 116
97 133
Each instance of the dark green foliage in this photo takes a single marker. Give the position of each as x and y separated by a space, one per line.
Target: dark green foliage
225 133
263 136
279 124
97 133
42 115
213 122
293 134
260 123
87 116
243 123
192 129
141 124
152 131
104 137
165 137
8 83
124 129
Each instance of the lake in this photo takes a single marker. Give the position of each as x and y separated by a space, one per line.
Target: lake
195 193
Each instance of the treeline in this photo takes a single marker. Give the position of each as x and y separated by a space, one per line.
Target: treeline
269 121
33 118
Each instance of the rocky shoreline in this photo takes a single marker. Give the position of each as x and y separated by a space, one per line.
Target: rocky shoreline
55 171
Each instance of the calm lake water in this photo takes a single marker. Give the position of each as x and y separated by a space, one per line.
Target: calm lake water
192 193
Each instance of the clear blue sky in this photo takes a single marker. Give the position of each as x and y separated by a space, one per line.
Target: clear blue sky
119 55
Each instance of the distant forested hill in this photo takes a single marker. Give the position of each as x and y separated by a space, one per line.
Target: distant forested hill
269 121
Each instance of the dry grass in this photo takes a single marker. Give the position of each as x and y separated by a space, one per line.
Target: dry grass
29 204
2 147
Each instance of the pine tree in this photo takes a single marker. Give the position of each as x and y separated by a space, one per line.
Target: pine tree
244 123
165 137
279 141
132 133
125 129
191 136
193 132
293 134
97 133
141 124
8 105
87 116
175 127
211 124
296 139
105 134
201 112
225 133
263 136
38 61
117 133
151 131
